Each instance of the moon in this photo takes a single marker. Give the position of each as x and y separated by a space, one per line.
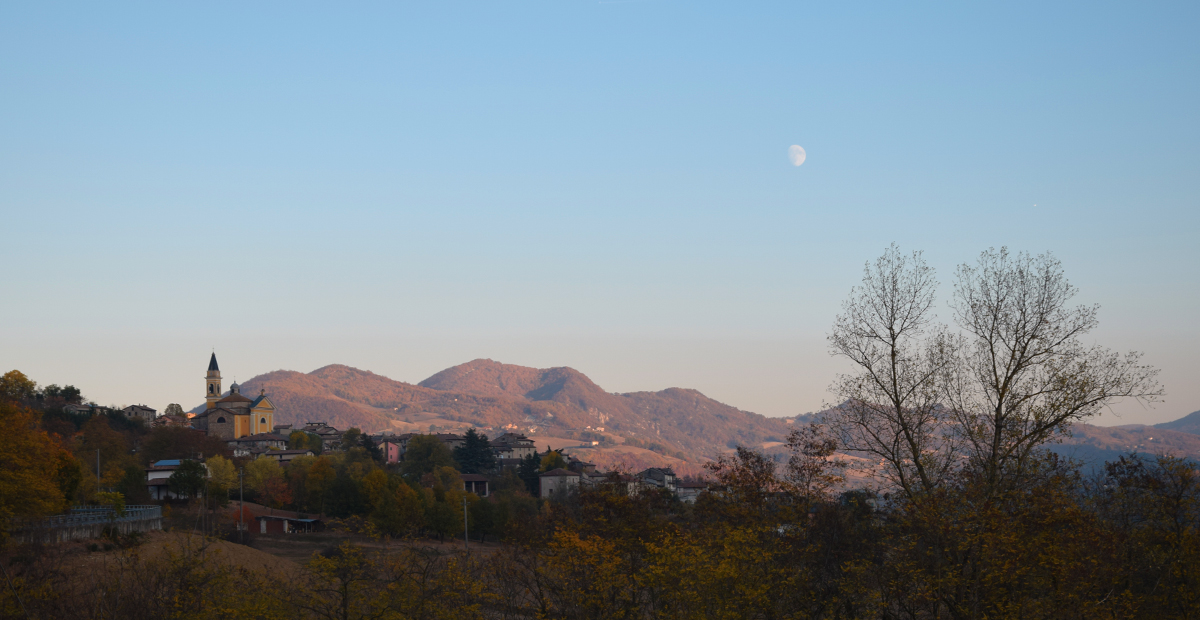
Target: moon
796 154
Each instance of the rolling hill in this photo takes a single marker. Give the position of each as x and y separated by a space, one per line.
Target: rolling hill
675 422
664 427
1189 423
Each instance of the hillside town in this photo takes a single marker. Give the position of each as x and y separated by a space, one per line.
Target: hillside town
234 431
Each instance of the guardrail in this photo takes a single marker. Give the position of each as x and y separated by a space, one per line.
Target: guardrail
91 522
85 515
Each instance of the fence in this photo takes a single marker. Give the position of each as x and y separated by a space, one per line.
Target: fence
90 522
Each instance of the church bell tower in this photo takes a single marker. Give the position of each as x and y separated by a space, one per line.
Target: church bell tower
213 381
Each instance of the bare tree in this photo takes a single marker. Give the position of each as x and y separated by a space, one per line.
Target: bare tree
890 408
1026 376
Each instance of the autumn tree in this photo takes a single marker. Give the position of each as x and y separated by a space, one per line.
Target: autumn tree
31 466
259 471
1026 375
222 477
321 478
891 404
298 440
66 393
14 385
812 467
352 438
276 493
98 441
423 454
174 409
552 460
177 442
1016 375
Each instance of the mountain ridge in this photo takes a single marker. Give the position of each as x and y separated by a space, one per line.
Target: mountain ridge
561 401
678 422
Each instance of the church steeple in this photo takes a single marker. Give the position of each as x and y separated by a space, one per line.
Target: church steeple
212 382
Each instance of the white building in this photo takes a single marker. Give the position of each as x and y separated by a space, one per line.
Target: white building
557 482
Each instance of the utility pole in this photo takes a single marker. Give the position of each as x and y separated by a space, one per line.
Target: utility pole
241 506
97 470
466 539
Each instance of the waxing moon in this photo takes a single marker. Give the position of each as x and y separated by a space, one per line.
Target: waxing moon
796 154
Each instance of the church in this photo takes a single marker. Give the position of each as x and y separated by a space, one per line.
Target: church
233 416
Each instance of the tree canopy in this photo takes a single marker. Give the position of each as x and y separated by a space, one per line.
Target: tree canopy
475 455
425 453
16 386
188 480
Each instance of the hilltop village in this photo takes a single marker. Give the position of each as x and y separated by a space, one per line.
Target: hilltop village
296 477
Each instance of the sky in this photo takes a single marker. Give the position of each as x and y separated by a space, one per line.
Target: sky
402 187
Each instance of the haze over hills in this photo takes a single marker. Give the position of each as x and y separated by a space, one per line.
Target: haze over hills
484 393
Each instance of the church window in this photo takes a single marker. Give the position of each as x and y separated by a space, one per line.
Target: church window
210 388
262 421
220 420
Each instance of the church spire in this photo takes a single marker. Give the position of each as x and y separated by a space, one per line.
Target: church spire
212 383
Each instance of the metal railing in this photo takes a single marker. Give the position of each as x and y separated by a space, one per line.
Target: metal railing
85 515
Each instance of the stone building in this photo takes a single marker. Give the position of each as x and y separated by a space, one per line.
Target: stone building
146 414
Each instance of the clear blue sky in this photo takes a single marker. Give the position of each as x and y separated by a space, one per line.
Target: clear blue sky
603 185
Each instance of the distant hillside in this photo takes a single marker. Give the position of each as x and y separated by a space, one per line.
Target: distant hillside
1103 443
564 402
485 393
1097 444
1189 423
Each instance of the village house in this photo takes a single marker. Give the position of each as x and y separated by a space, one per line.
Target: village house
658 477
451 440
157 475
475 483
512 446
398 444
391 449
170 420
557 482
582 467
330 436
89 409
244 446
687 492
283 456
141 412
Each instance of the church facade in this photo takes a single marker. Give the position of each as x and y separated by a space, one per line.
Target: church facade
233 416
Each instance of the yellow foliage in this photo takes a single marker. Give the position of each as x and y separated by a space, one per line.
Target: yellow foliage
29 459
221 472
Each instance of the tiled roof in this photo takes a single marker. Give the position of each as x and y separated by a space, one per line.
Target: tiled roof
234 397
262 437
559 473
473 478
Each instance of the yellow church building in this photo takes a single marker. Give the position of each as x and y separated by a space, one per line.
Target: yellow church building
233 416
